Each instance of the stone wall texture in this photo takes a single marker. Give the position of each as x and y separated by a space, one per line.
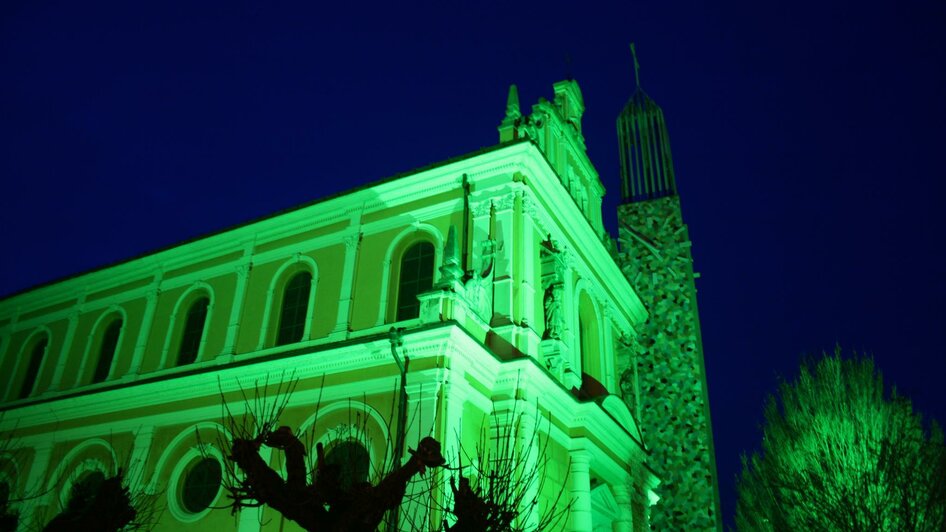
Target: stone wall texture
665 368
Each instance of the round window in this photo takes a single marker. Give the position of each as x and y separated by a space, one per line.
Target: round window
201 484
352 460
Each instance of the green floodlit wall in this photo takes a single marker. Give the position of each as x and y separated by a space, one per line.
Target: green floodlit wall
528 245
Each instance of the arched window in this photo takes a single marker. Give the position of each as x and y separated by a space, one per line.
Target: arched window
352 459
295 303
107 351
589 339
416 276
193 332
32 370
582 340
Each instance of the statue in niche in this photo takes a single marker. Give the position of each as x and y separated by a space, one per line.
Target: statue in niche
554 321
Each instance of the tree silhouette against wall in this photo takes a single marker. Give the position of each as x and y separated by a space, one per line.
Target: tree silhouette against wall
9 517
102 503
494 493
96 502
839 455
499 490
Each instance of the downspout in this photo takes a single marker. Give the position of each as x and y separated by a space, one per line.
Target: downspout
395 336
466 225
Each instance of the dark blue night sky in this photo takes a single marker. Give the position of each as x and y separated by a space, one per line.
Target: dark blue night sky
809 141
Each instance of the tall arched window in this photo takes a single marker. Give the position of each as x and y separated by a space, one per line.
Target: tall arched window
589 339
416 276
32 370
582 340
295 303
107 351
193 332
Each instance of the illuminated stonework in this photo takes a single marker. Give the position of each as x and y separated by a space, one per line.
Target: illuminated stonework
520 304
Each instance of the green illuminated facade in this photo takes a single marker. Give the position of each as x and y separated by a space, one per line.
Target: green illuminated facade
496 265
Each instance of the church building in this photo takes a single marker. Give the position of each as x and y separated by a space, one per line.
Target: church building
491 274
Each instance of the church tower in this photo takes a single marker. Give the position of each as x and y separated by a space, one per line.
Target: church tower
664 382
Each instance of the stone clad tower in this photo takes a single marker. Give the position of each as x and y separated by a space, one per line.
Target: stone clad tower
664 381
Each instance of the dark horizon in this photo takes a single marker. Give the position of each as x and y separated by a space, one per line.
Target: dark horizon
807 143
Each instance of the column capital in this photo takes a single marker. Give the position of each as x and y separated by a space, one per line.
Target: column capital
580 455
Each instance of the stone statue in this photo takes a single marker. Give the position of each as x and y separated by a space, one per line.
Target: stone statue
554 321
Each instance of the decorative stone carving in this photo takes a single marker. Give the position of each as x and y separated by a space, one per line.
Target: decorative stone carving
481 209
450 271
478 289
352 241
554 362
554 320
507 201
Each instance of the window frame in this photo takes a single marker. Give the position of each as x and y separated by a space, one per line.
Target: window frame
14 381
170 352
185 331
105 337
93 348
391 265
589 341
183 463
43 339
274 297
299 302
183 483
399 287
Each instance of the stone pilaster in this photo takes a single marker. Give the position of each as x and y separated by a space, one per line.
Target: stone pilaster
622 498
145 330
579 490
67 345
504 279
242 271
36 493
342 320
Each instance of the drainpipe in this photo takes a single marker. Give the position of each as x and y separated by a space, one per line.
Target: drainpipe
466 226
395 336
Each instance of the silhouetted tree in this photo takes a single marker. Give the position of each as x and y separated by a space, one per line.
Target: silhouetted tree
839 455
8 516
499 492
494 493
96 502
9 451
322 501
105 504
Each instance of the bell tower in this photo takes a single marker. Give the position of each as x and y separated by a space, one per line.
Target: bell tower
664 379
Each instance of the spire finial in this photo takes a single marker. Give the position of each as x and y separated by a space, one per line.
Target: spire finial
637 67
450 271
512 103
